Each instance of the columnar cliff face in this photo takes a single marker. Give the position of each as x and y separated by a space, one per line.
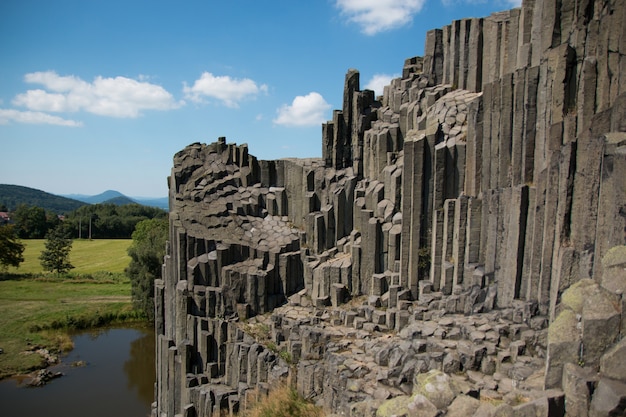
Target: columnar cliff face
448 222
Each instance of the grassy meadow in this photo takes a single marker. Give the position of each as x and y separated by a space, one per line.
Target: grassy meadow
87 256
39 309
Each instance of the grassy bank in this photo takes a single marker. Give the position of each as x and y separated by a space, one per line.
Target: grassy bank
40 310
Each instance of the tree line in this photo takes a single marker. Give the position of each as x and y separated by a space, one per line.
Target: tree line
97 221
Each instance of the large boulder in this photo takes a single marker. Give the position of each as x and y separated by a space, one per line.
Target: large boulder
613 363
396 406
462 406
405 406
574 297
436 386
420 406
614 270
601 317
609 399
614 277
578 384
563 346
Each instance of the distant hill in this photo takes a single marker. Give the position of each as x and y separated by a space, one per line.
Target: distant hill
99 198
14 195
120 201
162 203
117 198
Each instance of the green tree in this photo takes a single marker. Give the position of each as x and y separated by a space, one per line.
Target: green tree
32 222
11 250
109 221
56 256
146 253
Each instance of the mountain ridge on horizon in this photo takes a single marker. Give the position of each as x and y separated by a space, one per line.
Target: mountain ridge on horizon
12 195
116 197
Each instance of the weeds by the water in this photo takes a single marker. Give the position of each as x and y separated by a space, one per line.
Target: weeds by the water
90 320
283 401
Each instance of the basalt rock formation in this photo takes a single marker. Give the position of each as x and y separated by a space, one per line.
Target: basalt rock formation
457 250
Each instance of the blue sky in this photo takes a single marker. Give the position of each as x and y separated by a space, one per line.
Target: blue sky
98 95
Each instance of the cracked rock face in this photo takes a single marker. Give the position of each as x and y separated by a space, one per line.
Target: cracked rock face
457 250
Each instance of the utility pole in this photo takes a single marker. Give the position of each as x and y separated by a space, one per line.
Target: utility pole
80 225
89 227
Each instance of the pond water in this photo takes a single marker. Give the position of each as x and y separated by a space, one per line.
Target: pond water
118 379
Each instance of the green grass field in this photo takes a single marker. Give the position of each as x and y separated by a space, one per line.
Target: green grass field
40 309
87 256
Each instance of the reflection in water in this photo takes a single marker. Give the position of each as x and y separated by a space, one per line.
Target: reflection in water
117 381
139 368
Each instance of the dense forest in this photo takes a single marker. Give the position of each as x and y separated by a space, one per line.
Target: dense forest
97 221
109 221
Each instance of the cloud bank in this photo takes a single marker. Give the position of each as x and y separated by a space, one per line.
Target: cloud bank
230 91
303 111
374 16
116 97
34 117
379 81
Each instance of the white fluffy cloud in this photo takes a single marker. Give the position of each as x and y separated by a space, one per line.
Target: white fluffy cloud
34 117
505 4
116 97
375 16
229 91
306 110
379 81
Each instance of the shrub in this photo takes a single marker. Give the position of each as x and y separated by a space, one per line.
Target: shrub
284 401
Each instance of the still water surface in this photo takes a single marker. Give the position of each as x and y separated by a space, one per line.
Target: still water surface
118 380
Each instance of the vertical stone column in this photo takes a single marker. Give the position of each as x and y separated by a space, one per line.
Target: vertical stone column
328 212
328 140
474 54
440 162
517 128
433 56
395 245
473 158
611 229
505 131
489 234
460 238
509 281
472 240
491 46
339 130
447 240
451 59
495 134
374 248
530 119
436 248
548 241
412 203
